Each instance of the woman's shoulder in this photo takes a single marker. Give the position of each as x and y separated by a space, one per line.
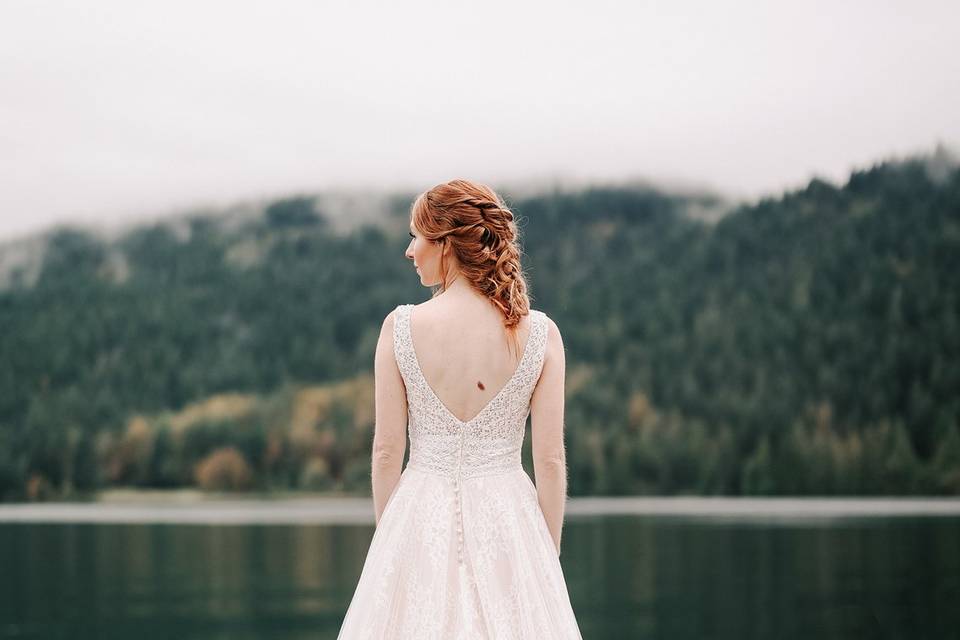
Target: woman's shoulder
550 328
543 316
400 308
390 320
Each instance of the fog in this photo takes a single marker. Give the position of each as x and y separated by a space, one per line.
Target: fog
114 110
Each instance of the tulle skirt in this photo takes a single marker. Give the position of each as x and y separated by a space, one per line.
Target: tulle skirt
498 577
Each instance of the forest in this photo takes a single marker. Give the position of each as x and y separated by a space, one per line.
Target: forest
803 344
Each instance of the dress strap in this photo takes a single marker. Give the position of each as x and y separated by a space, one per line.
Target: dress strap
401 338
538 344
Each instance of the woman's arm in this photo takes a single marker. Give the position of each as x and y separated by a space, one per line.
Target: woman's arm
390 422
549 457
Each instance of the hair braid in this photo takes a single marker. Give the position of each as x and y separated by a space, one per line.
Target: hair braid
483 234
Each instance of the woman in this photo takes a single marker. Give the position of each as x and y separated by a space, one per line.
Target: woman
465 545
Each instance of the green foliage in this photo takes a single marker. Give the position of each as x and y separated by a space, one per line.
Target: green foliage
759 477
805 344
292 212
13 466
946 464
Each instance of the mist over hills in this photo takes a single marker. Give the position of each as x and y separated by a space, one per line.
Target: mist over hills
805 344
342 210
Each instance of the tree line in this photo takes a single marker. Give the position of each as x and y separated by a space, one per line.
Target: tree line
804 344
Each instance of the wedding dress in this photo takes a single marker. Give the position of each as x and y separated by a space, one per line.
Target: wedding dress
462 550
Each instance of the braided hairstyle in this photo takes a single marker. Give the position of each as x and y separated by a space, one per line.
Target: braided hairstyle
483 235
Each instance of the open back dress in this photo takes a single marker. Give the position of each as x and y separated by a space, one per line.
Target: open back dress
462 549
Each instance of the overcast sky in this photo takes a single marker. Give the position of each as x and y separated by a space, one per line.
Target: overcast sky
115 109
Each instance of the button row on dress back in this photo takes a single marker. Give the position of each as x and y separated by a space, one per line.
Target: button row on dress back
458 501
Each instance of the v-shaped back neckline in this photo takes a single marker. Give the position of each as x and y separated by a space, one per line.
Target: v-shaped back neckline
416 364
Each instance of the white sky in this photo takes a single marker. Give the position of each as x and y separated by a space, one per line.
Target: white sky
115 109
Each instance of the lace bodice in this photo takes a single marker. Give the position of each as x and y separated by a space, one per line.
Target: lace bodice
490 442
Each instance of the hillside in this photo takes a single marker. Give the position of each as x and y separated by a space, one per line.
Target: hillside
805 344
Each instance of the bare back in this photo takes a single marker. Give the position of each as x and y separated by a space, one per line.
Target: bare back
465 355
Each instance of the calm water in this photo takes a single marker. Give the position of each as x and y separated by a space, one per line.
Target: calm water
628 576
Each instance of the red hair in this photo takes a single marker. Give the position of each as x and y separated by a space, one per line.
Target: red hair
483 235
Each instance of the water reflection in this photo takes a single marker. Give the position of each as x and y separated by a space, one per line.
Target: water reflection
628 577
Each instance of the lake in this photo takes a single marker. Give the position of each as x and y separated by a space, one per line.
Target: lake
636 568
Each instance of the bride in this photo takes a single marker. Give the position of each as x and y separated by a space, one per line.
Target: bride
465 545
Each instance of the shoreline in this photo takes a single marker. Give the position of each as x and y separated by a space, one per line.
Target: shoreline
221 509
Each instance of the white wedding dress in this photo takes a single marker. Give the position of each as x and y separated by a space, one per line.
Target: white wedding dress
462 550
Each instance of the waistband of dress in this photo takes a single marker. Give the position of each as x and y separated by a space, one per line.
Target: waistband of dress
465 472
